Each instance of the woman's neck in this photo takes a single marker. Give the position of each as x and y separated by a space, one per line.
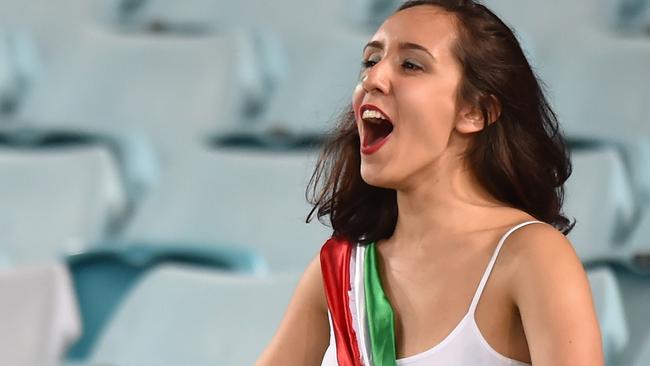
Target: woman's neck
444 202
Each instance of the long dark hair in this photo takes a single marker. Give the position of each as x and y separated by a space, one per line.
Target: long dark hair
521 159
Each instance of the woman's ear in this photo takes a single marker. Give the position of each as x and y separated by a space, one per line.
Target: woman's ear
471 118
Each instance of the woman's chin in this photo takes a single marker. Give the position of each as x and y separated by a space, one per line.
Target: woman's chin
377 179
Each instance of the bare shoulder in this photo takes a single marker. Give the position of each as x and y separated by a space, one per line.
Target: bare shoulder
544 263
541 246
550 289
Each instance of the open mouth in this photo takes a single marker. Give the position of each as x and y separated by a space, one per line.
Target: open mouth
376 127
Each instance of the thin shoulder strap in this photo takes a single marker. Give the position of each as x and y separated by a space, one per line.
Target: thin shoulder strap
488 270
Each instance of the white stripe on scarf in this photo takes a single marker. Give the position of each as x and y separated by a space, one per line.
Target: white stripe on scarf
358 302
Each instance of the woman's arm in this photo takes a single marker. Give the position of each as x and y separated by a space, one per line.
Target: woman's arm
303 335
551 290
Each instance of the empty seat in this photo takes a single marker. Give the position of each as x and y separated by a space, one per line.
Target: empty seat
192 16
44 16
635 288
599 197
178 315
247 197
18 69
57 201
370 14
38 313
599 85
173 89
323 71
644 357
635 152
103 276
610 311
195 17
637 248
569 18
629 16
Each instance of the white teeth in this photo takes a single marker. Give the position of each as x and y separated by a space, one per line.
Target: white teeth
371 113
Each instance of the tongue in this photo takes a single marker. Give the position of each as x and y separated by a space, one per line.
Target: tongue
377 132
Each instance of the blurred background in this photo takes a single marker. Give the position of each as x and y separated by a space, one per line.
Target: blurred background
154 156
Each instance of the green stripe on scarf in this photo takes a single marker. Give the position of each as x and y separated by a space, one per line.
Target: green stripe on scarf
379 314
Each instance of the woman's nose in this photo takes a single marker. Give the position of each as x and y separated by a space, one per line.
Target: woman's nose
376 79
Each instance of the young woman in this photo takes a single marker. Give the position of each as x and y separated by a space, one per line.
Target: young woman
444 187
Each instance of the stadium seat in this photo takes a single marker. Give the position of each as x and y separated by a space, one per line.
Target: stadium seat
610 311
171 89
193 17
644 357
57 198
598 85
19 66
370 14
636 154
102 277
255 198
569 18
212 16
631 17
635 288
178 315
599 196
38 313
637 248
45 17
324 72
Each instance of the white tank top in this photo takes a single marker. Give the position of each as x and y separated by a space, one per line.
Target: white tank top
464 346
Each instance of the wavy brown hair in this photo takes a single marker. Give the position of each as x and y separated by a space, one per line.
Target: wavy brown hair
521 159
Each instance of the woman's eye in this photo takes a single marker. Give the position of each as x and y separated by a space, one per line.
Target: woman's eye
408 65
368 63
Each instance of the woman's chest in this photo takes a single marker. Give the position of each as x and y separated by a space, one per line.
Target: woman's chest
429 302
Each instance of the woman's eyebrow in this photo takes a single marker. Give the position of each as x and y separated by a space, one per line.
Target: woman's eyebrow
402 46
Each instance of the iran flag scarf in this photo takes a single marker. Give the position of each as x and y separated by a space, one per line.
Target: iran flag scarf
361 315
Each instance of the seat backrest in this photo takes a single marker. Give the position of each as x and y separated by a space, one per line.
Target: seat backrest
630 17
324 70
57 201
187 316
251 198
102 277
600 198
610 311
575 72
643 358
168 88
38 313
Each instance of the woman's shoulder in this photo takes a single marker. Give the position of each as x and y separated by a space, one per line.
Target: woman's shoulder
543 265
540 245
551 291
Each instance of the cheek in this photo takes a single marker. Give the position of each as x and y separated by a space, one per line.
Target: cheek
431 108
429 112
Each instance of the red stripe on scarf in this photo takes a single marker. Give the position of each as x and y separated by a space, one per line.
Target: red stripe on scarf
335 266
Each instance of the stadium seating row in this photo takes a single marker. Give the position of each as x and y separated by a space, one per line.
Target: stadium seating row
109 110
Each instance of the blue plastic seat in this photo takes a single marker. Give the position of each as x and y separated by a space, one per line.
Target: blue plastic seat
608 302
600 197
171 89
61 193
180 315
103 277
635 289
237 195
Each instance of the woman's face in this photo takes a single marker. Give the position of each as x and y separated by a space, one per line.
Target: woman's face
410 78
